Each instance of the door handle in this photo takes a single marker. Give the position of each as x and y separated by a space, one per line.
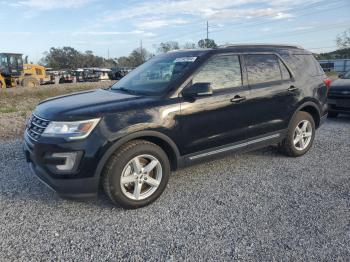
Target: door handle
292 88
238 99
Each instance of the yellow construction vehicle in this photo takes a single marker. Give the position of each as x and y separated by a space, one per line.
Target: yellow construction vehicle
39 73
12 73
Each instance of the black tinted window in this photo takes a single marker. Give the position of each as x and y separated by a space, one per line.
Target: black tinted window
262 68
304 64
221 72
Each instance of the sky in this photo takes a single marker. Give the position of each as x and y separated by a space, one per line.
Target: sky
114 28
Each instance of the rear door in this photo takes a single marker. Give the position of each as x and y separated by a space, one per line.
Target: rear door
273 93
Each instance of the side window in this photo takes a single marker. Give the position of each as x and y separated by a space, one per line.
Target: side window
284 71
262 68
221 71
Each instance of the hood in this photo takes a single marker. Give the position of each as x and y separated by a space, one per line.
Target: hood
88 104
340 86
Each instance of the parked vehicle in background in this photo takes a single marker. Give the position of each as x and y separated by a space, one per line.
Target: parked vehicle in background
39 73
118 73
96 74
12 74
79 75
104 74
174 110
339 96
66 76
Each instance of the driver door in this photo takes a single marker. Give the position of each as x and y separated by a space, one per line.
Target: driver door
218 119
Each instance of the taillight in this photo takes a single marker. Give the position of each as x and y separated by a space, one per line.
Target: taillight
327 82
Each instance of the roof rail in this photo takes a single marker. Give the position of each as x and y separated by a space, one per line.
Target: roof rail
259 45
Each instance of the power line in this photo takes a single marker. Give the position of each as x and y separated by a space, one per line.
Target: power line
269 22
245 24
288 34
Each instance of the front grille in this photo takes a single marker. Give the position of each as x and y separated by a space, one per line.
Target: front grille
36 126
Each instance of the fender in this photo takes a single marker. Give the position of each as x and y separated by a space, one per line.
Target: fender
304 104
130 137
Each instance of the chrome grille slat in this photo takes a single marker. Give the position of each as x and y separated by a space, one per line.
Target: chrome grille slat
36 127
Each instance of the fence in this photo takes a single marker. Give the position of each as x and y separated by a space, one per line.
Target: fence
338 65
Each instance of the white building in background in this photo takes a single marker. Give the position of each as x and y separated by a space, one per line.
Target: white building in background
338 65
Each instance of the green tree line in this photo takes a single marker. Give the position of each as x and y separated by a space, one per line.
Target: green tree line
70 58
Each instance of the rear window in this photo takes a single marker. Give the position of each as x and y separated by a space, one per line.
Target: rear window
305 64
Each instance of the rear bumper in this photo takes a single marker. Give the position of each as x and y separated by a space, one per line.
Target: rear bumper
339 105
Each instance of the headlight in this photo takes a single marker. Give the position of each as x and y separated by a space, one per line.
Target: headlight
71 130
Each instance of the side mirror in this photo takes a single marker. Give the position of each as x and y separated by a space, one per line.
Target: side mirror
197 90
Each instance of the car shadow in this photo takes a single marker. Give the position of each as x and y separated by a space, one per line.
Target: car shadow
339 118
17 183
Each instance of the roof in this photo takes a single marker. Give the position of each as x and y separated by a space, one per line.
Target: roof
10 54
259 46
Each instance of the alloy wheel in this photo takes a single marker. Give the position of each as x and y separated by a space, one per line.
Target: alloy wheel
302 135
141 177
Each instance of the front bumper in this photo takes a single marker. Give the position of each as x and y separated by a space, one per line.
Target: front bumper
72 188
339 104
78 184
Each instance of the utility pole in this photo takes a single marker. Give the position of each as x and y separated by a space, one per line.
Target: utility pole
207 29
108 54
206 40
141 50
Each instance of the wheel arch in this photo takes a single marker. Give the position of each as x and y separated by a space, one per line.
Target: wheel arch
311 108
163 141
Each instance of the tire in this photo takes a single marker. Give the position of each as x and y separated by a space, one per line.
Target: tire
131 162
304 135
30 82
332 114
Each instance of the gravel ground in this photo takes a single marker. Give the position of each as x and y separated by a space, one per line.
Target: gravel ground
253 206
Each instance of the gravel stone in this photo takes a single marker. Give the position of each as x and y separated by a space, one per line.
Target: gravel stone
254 206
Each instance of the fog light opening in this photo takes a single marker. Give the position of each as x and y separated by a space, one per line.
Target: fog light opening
69 160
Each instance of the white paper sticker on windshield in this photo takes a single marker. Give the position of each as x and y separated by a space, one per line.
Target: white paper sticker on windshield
189 59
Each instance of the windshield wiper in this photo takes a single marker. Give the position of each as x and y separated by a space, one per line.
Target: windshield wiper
129 91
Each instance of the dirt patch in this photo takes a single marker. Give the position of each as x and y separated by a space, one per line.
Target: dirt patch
16 104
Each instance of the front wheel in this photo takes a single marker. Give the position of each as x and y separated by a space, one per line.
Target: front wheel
300 136
30 82
137 174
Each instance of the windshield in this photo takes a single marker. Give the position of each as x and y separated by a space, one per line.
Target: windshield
3 61
156 75
16 61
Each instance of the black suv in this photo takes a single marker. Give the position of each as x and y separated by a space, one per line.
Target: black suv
176 109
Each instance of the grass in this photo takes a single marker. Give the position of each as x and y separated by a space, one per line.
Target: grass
7 110
332 74
16 104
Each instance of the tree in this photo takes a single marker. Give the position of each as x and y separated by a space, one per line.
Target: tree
168 46
69 58
343 53
189 45
343 39
207 43
138 56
